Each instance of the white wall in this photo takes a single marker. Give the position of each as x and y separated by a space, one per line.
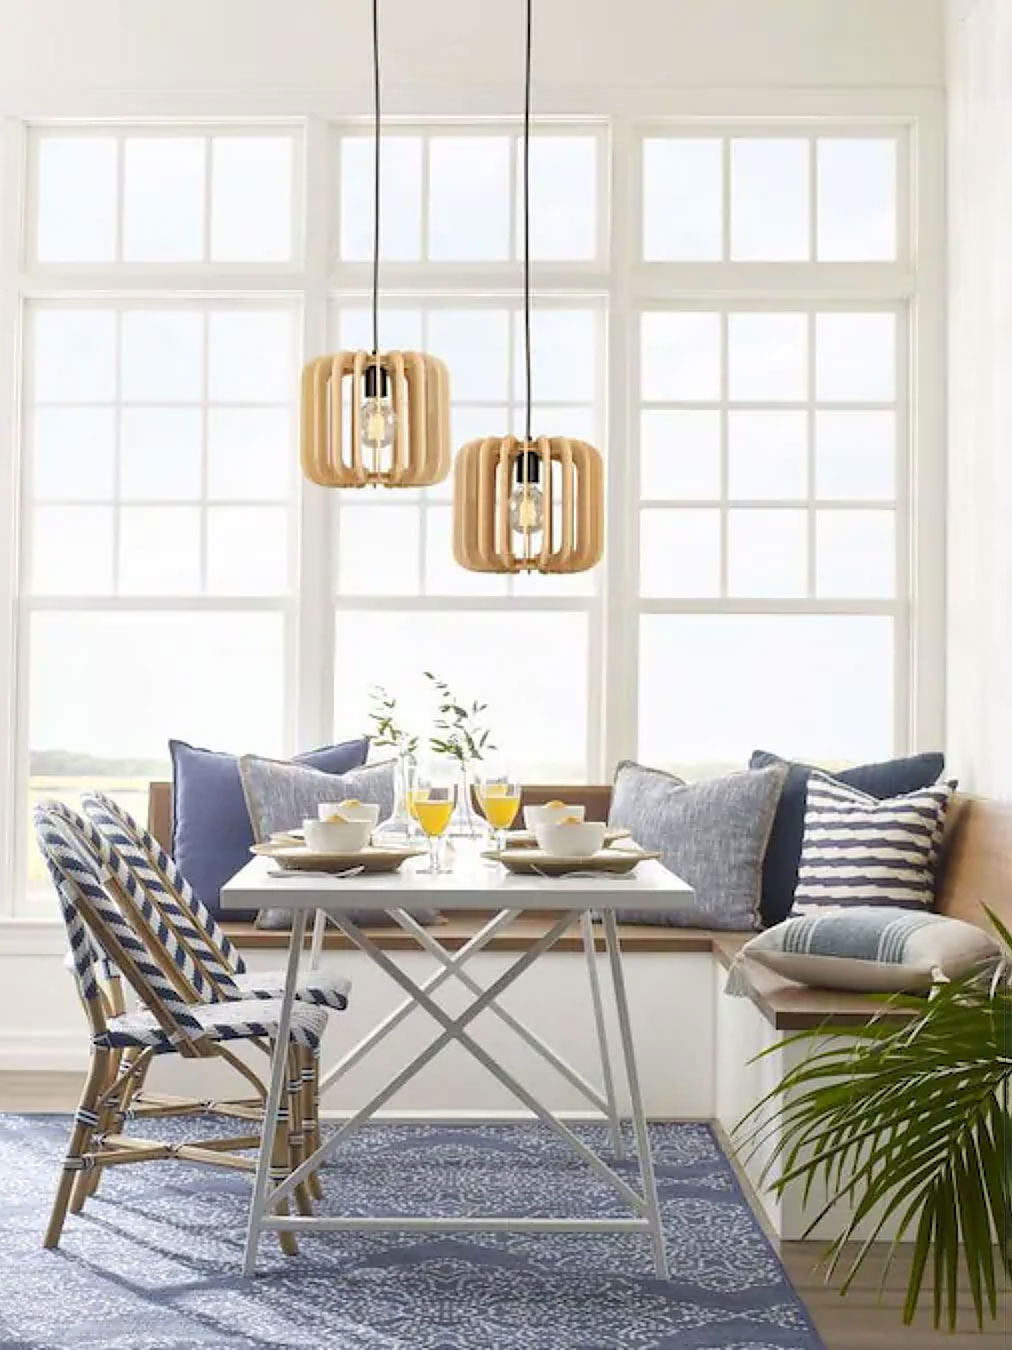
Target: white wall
980 426
306 49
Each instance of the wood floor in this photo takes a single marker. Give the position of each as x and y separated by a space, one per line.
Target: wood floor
864 1320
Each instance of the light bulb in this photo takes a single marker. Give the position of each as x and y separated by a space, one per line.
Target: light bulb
527 508
378 423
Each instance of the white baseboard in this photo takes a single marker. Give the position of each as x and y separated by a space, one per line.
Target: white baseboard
44 1051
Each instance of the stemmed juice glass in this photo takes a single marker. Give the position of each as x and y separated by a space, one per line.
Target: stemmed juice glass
432 800
499 798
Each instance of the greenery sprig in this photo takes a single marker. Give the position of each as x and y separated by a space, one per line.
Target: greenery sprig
459 732
387 730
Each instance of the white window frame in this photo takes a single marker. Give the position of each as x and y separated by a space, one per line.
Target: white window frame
621 119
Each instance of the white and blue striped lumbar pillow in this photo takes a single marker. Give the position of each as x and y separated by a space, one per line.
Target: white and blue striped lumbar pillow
875 948
858 850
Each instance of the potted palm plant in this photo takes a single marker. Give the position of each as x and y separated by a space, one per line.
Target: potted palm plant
910 1121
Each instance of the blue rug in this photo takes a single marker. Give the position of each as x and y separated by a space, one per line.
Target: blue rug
153 1263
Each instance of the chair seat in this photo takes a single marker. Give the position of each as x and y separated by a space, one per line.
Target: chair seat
237 1020
329 991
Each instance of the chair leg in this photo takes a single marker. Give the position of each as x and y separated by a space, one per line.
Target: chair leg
87 1179
296 1132
310 1106
280 1165
85 1122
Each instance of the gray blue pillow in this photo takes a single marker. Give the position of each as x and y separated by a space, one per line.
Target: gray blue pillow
280 796
889 778
211 832
868 950
712 834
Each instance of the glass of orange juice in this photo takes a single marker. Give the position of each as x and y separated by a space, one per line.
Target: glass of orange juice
499 797
432 799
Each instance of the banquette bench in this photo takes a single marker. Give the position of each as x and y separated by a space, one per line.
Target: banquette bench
976 871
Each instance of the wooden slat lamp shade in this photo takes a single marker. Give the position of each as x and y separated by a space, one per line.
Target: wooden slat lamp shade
571 480
333 390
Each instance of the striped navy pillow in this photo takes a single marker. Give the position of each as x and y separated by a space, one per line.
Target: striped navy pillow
858 850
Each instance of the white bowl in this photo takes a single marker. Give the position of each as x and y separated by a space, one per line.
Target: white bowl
335 836
367 811
571 841
549 815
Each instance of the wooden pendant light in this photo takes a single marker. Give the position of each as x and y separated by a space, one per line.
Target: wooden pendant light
489 477
371 417
334 390
536 504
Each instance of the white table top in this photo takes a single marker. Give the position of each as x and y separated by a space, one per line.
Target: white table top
471 885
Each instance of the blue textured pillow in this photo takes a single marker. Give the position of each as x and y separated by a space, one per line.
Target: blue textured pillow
211 832
889 778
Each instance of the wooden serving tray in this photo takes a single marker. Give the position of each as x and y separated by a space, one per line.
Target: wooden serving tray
607 861
298 858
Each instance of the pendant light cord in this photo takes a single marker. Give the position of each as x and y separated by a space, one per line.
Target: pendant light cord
376 176
527 221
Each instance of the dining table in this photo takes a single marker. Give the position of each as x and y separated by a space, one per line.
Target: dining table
590 901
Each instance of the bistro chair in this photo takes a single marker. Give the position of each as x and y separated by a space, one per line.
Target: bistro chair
116 935
214 956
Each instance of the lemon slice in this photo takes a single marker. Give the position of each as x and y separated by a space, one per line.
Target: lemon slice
555 805
349 803
571 820
495 789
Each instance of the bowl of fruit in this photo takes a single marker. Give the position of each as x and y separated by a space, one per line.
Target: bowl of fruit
550 814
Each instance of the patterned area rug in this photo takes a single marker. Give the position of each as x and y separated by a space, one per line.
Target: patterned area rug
153 1263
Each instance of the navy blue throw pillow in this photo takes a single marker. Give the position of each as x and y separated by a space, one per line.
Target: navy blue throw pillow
890 778
211 831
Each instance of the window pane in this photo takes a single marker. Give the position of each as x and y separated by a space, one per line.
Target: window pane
680 454
72 550
855 555
159 550
814 687
247 550
563 198
855 358
681 356
113 733
482 656
857 199
160 453
378 550
250 356
73 454
76 199
163 356
679 553
768 357
400 330
768 455
474 343
769 200
683 194
251 199
563 355
442 574
250 453
469 198
401 198
767 553
75 356
855 455
575 421
163 199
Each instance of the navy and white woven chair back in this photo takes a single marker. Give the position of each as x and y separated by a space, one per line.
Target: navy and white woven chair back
85 956
99 807
207 970
92 877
